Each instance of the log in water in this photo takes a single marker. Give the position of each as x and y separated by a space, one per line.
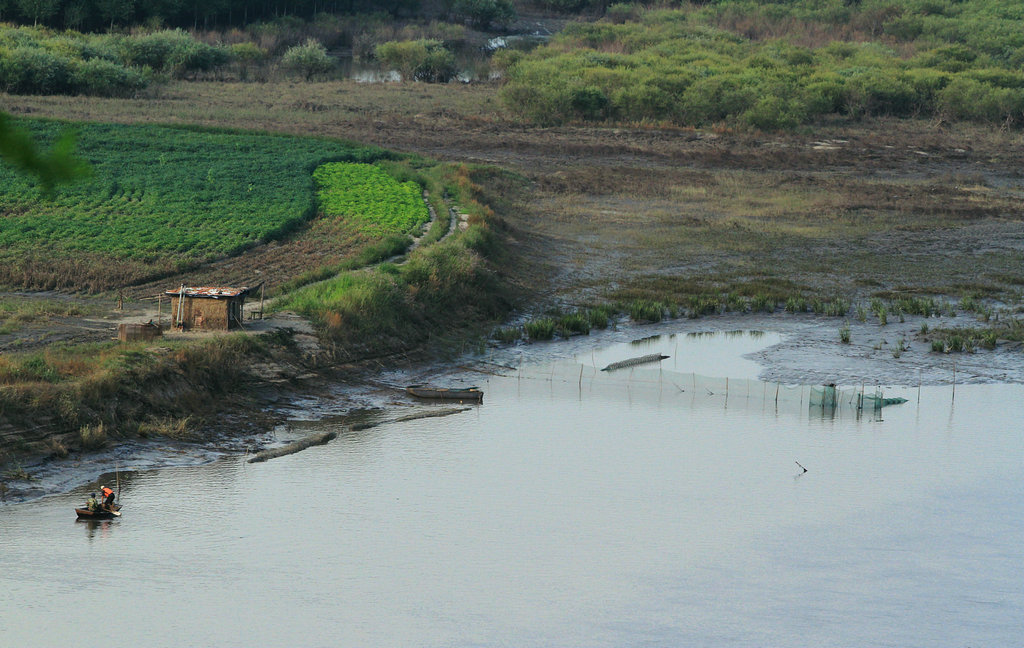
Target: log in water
653 357
293 447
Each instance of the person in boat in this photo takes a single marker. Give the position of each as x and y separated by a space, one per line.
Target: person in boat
108 498
93 504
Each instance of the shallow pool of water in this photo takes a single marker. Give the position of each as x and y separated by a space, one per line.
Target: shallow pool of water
599 510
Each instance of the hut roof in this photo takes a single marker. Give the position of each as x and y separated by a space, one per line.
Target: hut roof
210 292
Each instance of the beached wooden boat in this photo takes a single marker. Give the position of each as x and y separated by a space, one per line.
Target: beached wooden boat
101 514
467 394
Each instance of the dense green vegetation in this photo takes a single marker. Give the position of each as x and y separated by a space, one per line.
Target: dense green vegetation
104 14
162 198
779 64
39 61
375 202
392 307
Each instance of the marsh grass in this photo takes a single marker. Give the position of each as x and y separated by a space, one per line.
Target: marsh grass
763 303
176 428
507 334
797 305
92 437
600 316
844 333
18 473
542 328
646 310
573 324
968 339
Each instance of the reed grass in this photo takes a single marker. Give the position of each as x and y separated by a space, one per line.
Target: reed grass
507 334
573 324
542 328
645 310
93 437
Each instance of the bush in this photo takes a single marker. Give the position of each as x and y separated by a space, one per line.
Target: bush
484 13
31 70
420 60
103 78
621 12
309 59
247 53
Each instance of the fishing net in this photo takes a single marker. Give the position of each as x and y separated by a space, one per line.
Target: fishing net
651 380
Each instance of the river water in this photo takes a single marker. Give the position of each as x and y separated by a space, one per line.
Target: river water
574 507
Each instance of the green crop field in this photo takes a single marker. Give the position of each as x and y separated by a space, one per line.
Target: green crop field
165 196
366 195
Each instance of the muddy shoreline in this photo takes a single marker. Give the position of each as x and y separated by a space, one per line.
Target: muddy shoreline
810 353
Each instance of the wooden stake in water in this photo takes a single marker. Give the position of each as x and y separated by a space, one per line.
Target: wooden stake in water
954 382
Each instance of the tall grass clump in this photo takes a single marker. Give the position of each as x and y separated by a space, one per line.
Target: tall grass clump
645 310
844 333
507 334
573 324
796 305
542 328
835 307
599 316
700 305
93 437
763 303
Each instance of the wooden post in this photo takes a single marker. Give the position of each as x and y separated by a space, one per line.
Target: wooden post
263 287
160 310
954 382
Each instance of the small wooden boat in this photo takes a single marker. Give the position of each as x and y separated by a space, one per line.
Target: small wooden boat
99 514
467 394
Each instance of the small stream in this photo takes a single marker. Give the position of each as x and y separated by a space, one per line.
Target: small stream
574 507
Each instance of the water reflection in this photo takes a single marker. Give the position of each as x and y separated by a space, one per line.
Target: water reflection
101 529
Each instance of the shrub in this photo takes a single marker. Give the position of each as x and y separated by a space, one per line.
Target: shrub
308 60
31 70
621 12
160 50
247 53
484 13
419 60
106 79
